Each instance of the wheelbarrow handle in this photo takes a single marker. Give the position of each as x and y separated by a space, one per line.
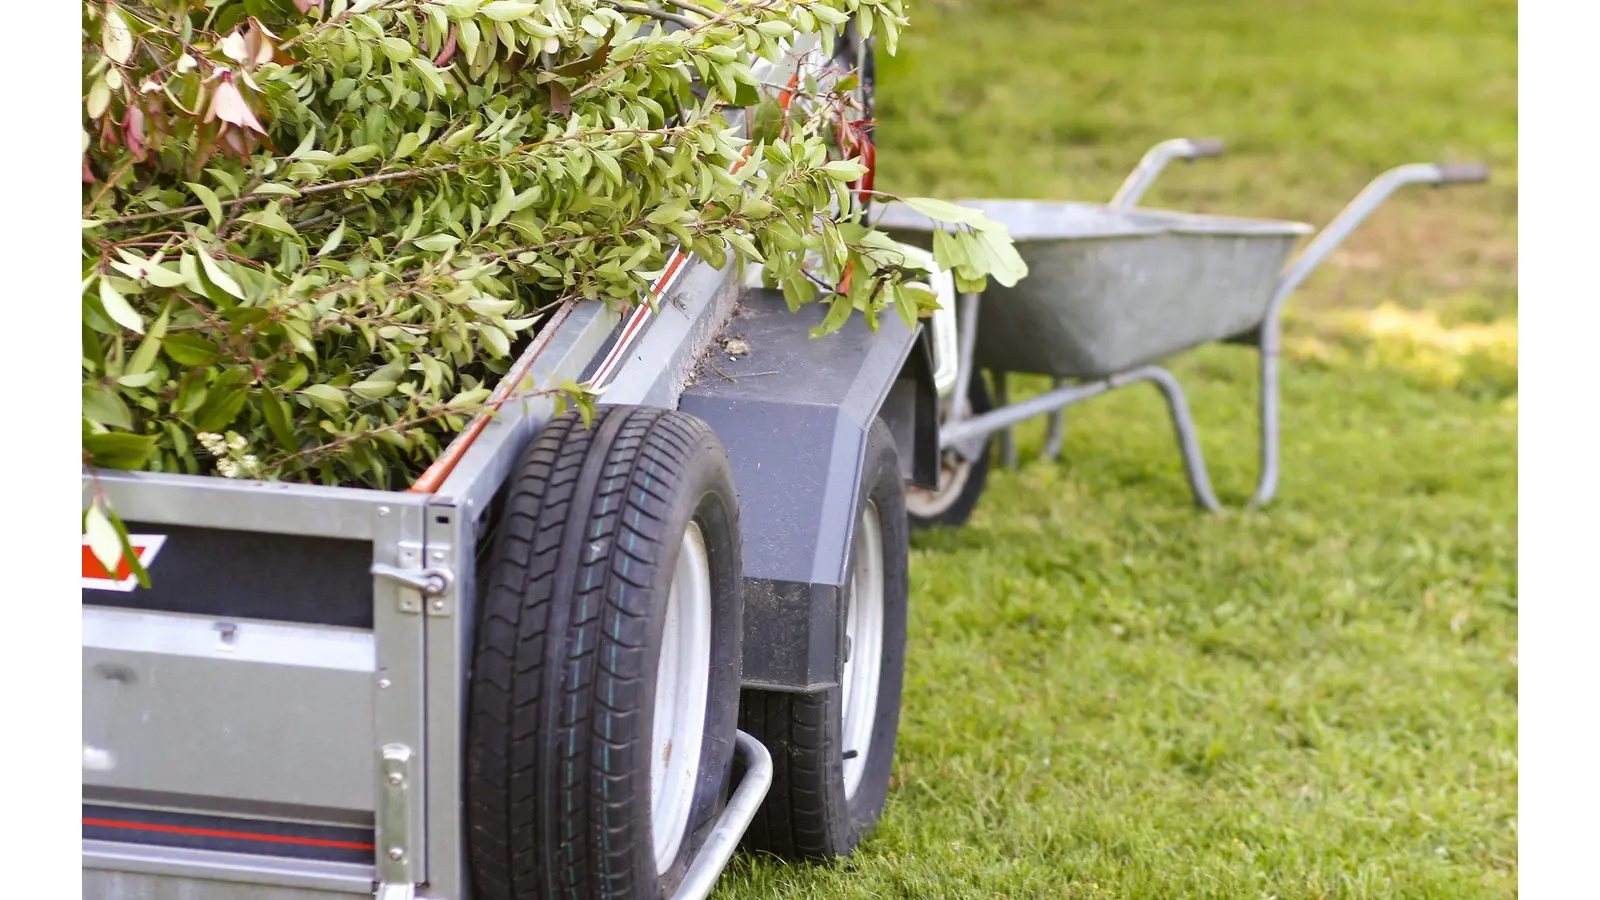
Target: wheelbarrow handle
1155 159
1462 173
1351 217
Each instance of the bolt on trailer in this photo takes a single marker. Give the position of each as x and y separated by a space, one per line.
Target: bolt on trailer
1114 290
567 661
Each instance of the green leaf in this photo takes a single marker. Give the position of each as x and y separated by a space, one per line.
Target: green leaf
128 554
119 309
276 413
1008 266
102 404
144 357
104 541
844 170
495 341
945 211
327 398
119 449
273 189
430 76
407 144
373 389
471 397
838 314
115 38
397 49
437 243
220 409
332 243
188 349
507 10
217 276
502 206
209 198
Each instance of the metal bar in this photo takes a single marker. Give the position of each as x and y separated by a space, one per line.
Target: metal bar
1269 337
276 507
1155 160
399 710
484 465
1003 417
1349 218
1268 484
1057 433
212 865
731 825
1007 442
1194 462
964 371
451 542
692 311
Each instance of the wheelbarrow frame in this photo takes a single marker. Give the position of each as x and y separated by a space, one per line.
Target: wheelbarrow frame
967 434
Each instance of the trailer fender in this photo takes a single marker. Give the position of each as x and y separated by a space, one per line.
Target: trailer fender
793 412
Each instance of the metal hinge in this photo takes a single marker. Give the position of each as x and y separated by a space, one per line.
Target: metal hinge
396 793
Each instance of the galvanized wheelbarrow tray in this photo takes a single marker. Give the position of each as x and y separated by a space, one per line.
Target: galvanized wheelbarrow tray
1113 289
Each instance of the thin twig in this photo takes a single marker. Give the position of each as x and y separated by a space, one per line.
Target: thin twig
691 7
387 177
649 13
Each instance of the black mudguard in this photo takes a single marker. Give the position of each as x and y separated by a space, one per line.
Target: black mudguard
793 412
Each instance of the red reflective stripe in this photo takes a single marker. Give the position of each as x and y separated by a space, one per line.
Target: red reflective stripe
230 835
93 568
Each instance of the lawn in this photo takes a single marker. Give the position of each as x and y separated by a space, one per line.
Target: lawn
1112 695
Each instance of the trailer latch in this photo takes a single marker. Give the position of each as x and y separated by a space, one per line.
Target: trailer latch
430 582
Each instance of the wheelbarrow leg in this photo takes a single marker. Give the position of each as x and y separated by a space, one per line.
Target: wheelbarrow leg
1268 486
1269 340
1002 398
1194 462
1058 428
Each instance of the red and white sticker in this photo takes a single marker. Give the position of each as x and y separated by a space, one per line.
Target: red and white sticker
95 576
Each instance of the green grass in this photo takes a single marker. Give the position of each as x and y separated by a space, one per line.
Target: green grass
1111 695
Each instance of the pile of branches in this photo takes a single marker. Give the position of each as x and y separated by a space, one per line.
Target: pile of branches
316 230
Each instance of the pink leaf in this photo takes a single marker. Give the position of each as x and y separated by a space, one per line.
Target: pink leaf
228 105
306 6
133 131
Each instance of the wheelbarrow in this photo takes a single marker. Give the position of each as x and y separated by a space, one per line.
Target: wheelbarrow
1113 290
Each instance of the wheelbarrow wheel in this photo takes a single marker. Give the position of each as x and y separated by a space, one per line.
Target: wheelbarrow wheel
832 750
605 679
961 481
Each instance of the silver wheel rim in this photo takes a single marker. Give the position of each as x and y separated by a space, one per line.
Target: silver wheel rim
953 475
863 666
683 679
954 472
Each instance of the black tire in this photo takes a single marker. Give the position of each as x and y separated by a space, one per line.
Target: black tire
570 625
807 814
953 506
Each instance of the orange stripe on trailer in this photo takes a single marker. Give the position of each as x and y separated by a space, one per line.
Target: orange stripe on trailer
431 479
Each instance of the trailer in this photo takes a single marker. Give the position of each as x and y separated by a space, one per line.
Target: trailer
569 660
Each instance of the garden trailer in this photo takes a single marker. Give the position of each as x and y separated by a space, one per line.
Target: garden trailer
573 659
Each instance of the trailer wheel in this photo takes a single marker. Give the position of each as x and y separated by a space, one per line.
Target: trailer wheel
605 681
832 751
961 481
